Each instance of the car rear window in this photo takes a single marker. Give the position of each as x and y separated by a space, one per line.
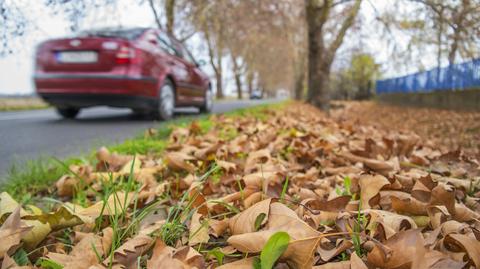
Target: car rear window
130 34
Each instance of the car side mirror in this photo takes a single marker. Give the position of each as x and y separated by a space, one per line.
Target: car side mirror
201 63
153 41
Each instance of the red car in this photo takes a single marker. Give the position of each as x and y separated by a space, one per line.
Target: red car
143 69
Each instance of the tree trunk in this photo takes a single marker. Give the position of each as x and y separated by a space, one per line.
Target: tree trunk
250 82
215 56
220 72
237 75
262 87
453 48
170 14
299 77
320 56
439 38
219 84
318 68
318 84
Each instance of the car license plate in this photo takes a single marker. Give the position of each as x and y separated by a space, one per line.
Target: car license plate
77 56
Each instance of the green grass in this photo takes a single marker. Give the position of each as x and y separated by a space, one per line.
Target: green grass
35 177
23 103
38 176
20 108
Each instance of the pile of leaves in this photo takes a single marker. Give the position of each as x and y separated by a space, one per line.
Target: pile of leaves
290 189
448 129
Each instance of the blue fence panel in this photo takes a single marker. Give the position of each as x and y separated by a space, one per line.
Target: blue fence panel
454 77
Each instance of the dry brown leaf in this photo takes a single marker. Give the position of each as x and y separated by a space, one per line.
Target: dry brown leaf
198 230
256 159
180 161
218 227
327 254
128 253
356 262
470 245
162 257
404 203
228 167
84 254
334 205
403 246
240 264
11 232
117 202
423 188
245 221
334 265
370 187
303 239
111 161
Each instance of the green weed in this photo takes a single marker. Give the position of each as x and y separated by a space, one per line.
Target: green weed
358 227
273 249
178 215
22 183
284 190
347 183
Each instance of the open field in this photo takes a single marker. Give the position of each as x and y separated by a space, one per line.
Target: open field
21 103
279 185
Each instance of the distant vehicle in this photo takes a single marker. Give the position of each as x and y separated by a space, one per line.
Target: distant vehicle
282 94
143 69
256 94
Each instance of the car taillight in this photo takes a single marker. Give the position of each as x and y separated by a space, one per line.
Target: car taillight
125 55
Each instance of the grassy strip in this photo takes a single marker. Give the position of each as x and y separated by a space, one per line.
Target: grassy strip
36 177
22 108
17 104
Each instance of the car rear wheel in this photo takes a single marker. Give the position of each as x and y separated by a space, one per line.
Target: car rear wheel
166 102
68 113
208 102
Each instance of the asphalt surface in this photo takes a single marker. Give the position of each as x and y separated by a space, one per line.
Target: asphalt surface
27 135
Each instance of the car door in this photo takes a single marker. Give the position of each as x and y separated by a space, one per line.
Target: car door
178 68
197 81
194 90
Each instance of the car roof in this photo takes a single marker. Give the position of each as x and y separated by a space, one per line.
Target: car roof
127 33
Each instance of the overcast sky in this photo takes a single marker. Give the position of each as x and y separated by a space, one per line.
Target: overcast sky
16 69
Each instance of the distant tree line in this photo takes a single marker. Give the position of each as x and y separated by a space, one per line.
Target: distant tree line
292 44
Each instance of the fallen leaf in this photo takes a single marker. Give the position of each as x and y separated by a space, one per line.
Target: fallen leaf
128 253
198 230
84 253
245 221
470 245
403 246
370 187
11 232
179 161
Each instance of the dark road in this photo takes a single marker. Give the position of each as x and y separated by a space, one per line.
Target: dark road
28 135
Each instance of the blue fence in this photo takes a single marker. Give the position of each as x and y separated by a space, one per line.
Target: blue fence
454 77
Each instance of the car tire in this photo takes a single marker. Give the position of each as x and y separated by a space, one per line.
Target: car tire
68 113
166 101
140 113
207 103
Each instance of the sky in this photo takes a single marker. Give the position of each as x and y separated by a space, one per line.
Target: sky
16 69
